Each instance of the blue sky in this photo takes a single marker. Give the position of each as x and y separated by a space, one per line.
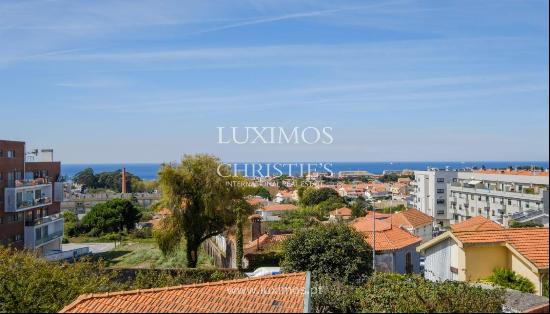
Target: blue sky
147 81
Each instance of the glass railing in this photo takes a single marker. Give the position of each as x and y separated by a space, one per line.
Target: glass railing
48 237
43 220
35 202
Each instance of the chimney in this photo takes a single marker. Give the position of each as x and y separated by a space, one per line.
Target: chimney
256 224
123 183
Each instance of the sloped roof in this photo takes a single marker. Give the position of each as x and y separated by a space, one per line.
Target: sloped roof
279 207
387 237
412 218
256 200
263 242
280 293
478 223
367 224
532 243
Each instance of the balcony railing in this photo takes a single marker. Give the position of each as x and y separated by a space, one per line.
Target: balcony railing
43 220
49 237
27 196
457 187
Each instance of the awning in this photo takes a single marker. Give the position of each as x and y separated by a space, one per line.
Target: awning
474 182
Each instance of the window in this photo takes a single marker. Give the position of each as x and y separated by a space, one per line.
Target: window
441 201
440 180
472 197
509 202
408 263
440 191
10 154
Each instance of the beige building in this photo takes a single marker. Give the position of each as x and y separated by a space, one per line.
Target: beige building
473 255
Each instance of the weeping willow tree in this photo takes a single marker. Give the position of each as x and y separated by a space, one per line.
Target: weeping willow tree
203 197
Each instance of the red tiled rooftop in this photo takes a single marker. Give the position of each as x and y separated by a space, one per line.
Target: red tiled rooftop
367 224
388 237
478 223
532 243
411 218
256 200
286 295
264 242
279 207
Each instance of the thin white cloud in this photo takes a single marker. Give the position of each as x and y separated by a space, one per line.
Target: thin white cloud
299 15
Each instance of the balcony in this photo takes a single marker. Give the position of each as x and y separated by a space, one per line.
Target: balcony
26 195
482 190
43 231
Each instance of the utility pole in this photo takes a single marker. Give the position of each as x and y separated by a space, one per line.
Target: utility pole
373 238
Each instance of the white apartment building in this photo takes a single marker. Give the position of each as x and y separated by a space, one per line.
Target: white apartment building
430 194
454 196
499 196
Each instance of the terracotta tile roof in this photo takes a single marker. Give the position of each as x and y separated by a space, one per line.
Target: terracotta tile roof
279 207
344 211
411 218
478 223
388 237
256 200
264 242
280 293
366 224
532 243
378 215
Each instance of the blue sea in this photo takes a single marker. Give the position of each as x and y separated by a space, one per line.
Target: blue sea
149 171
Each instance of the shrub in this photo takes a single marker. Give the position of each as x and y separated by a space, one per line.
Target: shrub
34 285
509 279
529 224
333 250
396 293
143 233
333 296
268 259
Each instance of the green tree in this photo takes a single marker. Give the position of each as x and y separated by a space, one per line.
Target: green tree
312 196
358 207
328 250
111 216
71 224
510 279
86 178
263 192
202 194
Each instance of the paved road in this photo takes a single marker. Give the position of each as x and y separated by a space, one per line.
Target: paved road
94 247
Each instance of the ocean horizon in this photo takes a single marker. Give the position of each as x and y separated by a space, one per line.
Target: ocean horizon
148 171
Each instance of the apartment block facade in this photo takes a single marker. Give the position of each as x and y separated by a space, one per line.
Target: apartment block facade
30 198
454 196
430 193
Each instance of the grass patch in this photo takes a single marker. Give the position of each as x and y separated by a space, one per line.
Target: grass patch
146 254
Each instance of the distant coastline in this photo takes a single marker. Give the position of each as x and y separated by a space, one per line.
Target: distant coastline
148 171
